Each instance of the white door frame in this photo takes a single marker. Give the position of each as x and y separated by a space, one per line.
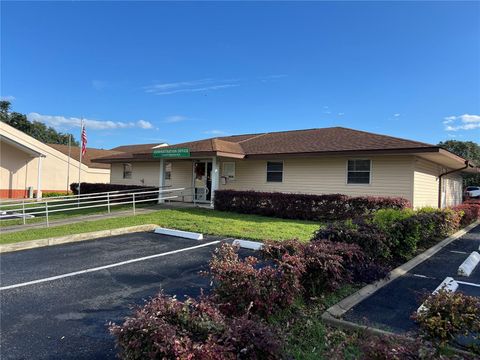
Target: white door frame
205 161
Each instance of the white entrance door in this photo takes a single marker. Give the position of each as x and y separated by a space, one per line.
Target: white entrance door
202 180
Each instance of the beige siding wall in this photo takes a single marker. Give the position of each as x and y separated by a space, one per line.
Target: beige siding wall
425 192
148 174
182 177
391 176
426 185
143 173
19 170
454 189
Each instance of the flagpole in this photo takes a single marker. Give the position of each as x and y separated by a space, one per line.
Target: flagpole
68 166
80 160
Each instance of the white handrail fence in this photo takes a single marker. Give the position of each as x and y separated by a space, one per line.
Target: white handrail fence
48 206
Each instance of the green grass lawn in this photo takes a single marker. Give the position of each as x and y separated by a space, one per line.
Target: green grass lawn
205 221
67 214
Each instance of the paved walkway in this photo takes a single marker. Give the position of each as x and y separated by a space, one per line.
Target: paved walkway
93 217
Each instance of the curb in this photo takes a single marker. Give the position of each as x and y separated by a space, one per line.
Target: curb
32 244
337 310
247 244
180 233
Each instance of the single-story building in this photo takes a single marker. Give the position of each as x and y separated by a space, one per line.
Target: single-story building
28 166
313 161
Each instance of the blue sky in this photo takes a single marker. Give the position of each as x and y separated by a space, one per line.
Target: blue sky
152 71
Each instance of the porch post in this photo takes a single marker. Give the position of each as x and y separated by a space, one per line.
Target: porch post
161 182
215 179
39 178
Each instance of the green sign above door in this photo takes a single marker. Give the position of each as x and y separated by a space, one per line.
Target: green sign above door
171 153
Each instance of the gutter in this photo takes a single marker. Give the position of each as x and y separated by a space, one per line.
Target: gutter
467 164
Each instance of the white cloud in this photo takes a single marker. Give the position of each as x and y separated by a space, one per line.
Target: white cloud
8 98
467 118
191 86
396 115
175 118
68 122
144 124
462 122
214 132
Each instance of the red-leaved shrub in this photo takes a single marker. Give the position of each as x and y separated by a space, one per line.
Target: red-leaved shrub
303 206
328 265
242 285
448 315
374 242
165 328
89 188
396 348
470 212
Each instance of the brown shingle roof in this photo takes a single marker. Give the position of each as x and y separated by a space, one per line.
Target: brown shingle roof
136 148
90 154
326 140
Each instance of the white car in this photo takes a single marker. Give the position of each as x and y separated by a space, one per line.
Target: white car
472 191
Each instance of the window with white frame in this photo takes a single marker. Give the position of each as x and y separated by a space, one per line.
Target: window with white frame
359 171
127 171
168 171
274 171
229 170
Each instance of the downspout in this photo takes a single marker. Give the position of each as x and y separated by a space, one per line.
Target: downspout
440 181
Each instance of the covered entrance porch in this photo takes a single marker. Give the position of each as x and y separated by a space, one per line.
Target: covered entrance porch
200 177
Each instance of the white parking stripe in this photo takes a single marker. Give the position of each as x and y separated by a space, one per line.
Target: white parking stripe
107 266
468 283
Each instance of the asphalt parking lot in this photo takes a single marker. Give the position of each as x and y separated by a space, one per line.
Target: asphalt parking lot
56 301
391 306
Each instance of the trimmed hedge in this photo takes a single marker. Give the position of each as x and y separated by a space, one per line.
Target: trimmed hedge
470 210
90 188
391 236
303 206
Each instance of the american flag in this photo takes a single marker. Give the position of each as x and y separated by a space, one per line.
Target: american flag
84 140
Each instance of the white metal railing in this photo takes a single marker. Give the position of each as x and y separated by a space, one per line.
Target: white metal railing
7 202
108 199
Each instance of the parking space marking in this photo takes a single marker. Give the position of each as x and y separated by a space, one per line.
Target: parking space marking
423 276
107 266
459 252
467 283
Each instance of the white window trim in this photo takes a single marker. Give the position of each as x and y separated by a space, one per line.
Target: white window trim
266 172
234 170
369 177
123 171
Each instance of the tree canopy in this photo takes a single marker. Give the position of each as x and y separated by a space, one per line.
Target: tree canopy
468 150
35 129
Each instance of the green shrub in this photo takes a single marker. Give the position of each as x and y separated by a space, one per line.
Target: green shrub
409 229
55 194
448 315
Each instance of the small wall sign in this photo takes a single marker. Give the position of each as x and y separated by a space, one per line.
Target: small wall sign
171 153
